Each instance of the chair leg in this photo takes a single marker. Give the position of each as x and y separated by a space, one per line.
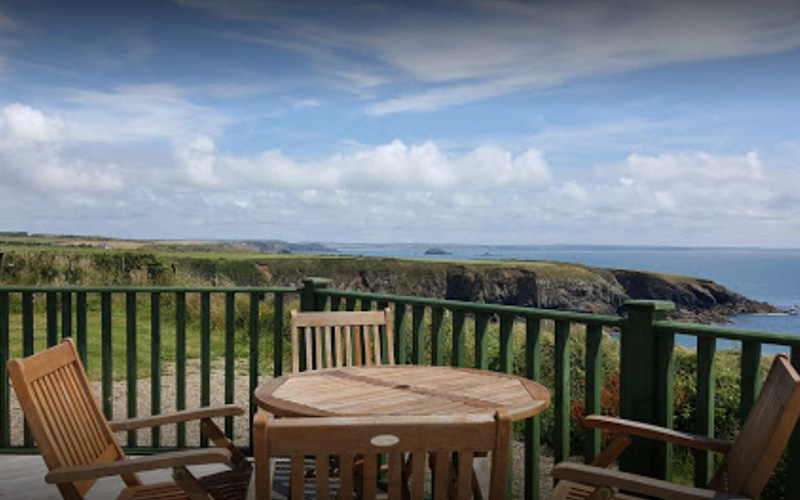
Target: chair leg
189 484
215 434
612 451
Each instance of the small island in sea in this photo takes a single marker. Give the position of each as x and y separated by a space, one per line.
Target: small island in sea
437 251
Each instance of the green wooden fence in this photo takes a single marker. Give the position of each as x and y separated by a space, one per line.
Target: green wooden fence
194 320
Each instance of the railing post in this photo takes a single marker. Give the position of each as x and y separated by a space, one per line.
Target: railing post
646 383
309 300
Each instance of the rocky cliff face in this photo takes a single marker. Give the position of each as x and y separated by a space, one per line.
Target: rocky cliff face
547 285
599 291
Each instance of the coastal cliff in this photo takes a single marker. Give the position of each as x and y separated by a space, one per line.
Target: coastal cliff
550 285
544 284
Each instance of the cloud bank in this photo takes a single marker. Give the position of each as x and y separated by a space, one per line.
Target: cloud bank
189 187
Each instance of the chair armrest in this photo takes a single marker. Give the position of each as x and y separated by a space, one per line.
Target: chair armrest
633 428
180 416
152 462
633 483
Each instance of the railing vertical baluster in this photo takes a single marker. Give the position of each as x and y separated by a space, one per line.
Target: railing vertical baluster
180 364
481 342
793 465
106 355
381 306
507 343
230 345
418 334
52 319
27 345
155 365
706 388
350 303
437 336
594 383
310 300
277 367
562 390
507 366
532 425
459 339
205 354
400 333
336 304
366 305
81 330
66 315
255 297
5 417
664 399
131 359
750 376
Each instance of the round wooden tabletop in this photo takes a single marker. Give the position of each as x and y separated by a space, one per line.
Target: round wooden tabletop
401 390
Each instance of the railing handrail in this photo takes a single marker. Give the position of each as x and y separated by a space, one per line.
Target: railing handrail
148 289
524 312
724 332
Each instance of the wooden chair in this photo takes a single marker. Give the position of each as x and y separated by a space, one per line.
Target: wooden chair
748 464
347 338
78 444
412 439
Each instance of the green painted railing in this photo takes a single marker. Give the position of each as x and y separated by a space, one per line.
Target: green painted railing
95 319
223 325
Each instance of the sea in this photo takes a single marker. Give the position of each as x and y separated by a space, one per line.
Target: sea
768 275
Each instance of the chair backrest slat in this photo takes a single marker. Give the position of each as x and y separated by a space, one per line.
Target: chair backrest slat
62 413
322 332
765 434
366 438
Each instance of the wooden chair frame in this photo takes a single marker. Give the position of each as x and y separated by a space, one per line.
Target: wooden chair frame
748 464
78 444
408 442
341 338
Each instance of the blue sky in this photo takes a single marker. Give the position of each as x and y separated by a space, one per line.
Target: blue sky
606 122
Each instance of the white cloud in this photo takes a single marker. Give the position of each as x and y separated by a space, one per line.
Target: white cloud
461 52
84 151
694 167
198 159
33 155
140 113
304 103
574 193
688 187
24 123
511 46
392 166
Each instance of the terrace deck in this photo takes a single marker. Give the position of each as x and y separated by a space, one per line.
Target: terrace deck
22 478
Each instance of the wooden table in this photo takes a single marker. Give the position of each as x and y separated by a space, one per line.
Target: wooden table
401 390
